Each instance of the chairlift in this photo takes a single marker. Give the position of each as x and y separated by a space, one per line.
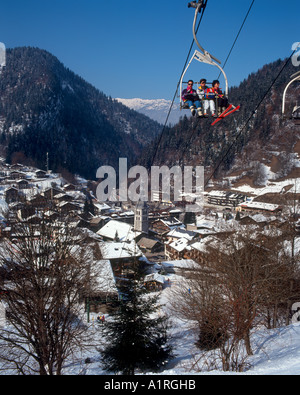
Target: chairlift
204 56
2 57
296 115
296 111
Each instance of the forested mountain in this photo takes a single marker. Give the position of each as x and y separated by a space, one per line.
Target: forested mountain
266 140
45 107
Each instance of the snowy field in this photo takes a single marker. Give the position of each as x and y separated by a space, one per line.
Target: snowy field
271 187
276 352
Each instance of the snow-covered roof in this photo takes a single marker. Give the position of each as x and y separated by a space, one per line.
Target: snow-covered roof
118 250
104 277
205 223
179 245
101 206
260 206
179 233
181 263
124 231
155 277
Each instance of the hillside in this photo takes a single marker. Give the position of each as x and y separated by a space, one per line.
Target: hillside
45 107
268 144
276 352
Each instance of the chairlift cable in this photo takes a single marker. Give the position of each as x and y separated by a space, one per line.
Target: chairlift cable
164 127
241 28
172 104
235 41
249 119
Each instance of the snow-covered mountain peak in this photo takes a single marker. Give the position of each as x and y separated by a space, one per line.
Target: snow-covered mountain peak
156 109
137 104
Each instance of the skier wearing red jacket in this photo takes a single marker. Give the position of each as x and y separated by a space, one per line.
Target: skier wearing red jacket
222 100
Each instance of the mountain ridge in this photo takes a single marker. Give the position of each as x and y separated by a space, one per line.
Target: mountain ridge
46 108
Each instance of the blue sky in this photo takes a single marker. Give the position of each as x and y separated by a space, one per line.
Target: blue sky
137 48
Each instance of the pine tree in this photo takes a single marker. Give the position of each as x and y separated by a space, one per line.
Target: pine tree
136 337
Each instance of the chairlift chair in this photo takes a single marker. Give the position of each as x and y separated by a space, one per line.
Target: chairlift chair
203 56
296 115
296 111
2 57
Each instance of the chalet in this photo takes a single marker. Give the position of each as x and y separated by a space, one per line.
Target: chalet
261 220
223 198
62 197
101 208
104 289
177 234
198 250
122 256
40 174
154 282
50 193
118 230
161 227
178 266
26 212
67 207
247 220
12 195
149 245
6 232
102 284
96 223
34 219
204 223
175 213
17 175
16 206
22 184
16 166
51 215
221 246
176 250
69 187
38 201
261 207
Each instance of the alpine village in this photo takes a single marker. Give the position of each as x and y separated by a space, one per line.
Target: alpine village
83 282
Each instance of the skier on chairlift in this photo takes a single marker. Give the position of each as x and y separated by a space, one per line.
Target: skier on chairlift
222 101
189 95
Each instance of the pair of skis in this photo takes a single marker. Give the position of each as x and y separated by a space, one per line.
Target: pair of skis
230 110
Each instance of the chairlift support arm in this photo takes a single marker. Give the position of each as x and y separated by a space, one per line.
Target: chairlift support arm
199 7
294 77
202 55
